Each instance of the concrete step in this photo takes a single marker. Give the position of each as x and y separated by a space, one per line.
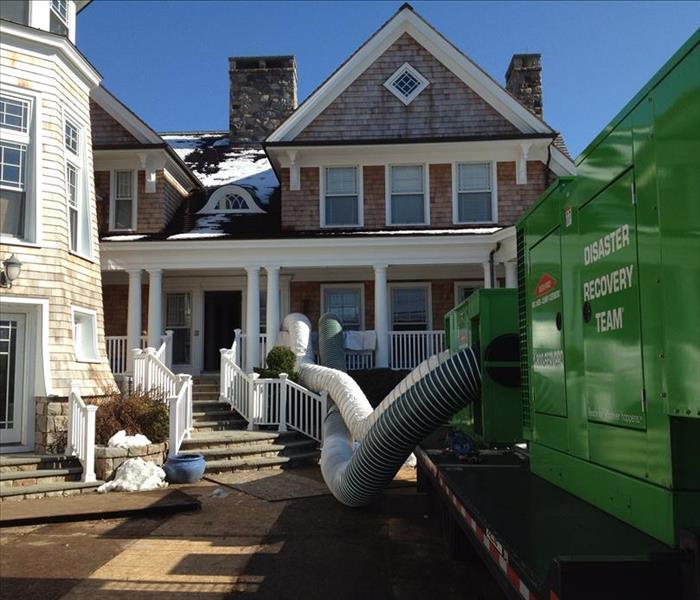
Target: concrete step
211 414
290 448
205 396
223 439
256 463
32 462
209 404
29 478
43 490
219 425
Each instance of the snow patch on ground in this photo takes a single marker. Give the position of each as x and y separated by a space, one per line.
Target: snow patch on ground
135 475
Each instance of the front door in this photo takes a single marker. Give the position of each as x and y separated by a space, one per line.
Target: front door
12 330
222 315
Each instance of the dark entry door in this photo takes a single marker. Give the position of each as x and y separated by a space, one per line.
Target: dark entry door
222 315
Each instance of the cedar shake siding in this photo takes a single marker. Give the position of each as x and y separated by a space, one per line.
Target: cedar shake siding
300 209
446 108
154 210
106 131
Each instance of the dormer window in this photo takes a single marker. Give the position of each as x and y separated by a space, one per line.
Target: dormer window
59 17
231 199
406 83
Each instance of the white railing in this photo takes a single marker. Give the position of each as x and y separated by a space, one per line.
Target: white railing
180 408
277 402
117 350
81 432
239 347
359 360
407 349
151 375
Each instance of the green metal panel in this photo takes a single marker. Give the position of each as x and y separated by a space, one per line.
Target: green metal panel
489 318
619 423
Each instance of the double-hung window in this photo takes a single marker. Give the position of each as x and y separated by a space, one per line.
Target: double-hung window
15 10
15 145
341 201
77 229
178 318
474 202
407 195
58 20
345 302
410 308
123 204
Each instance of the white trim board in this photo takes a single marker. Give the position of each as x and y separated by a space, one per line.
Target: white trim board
406 20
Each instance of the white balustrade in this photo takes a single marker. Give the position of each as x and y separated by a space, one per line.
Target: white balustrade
239 347
180 408
81 432
359 360
117 350
305 410
408 349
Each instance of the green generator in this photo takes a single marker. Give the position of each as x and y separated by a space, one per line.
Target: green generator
489 319
609 269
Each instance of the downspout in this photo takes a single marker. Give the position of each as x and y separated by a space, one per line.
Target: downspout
492 267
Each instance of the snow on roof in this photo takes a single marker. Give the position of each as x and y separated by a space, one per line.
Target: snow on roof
216 162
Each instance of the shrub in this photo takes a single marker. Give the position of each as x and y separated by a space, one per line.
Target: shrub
135 413
279 360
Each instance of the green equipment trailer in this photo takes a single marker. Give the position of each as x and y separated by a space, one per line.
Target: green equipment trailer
606 502
489 319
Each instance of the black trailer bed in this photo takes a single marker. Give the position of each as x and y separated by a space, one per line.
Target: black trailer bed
543 542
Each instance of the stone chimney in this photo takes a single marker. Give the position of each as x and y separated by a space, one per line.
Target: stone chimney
524 80
263 94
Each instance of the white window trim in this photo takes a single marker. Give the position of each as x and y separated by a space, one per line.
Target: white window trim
455 192
32 138
423 83
112 198
79 162
345 286
93 314
409 284
212 205
426 194
322 196
465 284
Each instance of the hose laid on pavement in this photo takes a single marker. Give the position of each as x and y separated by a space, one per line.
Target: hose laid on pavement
424 400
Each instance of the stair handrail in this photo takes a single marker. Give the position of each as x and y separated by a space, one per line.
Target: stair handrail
180 410
81 432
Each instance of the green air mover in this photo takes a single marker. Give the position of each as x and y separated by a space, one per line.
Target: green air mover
610 308
489 319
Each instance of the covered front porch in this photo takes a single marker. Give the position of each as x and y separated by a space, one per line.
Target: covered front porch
206 301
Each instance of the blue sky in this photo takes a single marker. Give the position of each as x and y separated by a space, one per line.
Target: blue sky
168 61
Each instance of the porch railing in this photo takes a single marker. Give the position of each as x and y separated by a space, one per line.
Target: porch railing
240 351
276 402
81 432
151 375
117 350
407 349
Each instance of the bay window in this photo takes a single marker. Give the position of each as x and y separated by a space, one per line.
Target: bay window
341 197
16 11
58 19
407 195
474 193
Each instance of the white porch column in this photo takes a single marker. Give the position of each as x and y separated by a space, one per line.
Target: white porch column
273 305
381 317
487 274
252 321
133 326
155 305
511 274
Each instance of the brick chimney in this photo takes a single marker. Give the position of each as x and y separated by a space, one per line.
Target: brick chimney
524 80
263 94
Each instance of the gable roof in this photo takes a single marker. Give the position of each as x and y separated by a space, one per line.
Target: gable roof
407 21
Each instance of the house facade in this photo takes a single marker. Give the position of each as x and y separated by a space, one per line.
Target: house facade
51 321
386 197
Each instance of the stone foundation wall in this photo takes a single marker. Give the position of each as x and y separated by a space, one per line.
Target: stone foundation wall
107 460
51 428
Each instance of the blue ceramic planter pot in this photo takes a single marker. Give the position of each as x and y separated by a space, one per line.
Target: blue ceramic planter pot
184 468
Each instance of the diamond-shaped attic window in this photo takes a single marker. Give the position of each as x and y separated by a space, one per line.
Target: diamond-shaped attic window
406 83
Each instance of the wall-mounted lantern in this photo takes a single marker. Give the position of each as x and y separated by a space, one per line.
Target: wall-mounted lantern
11 268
